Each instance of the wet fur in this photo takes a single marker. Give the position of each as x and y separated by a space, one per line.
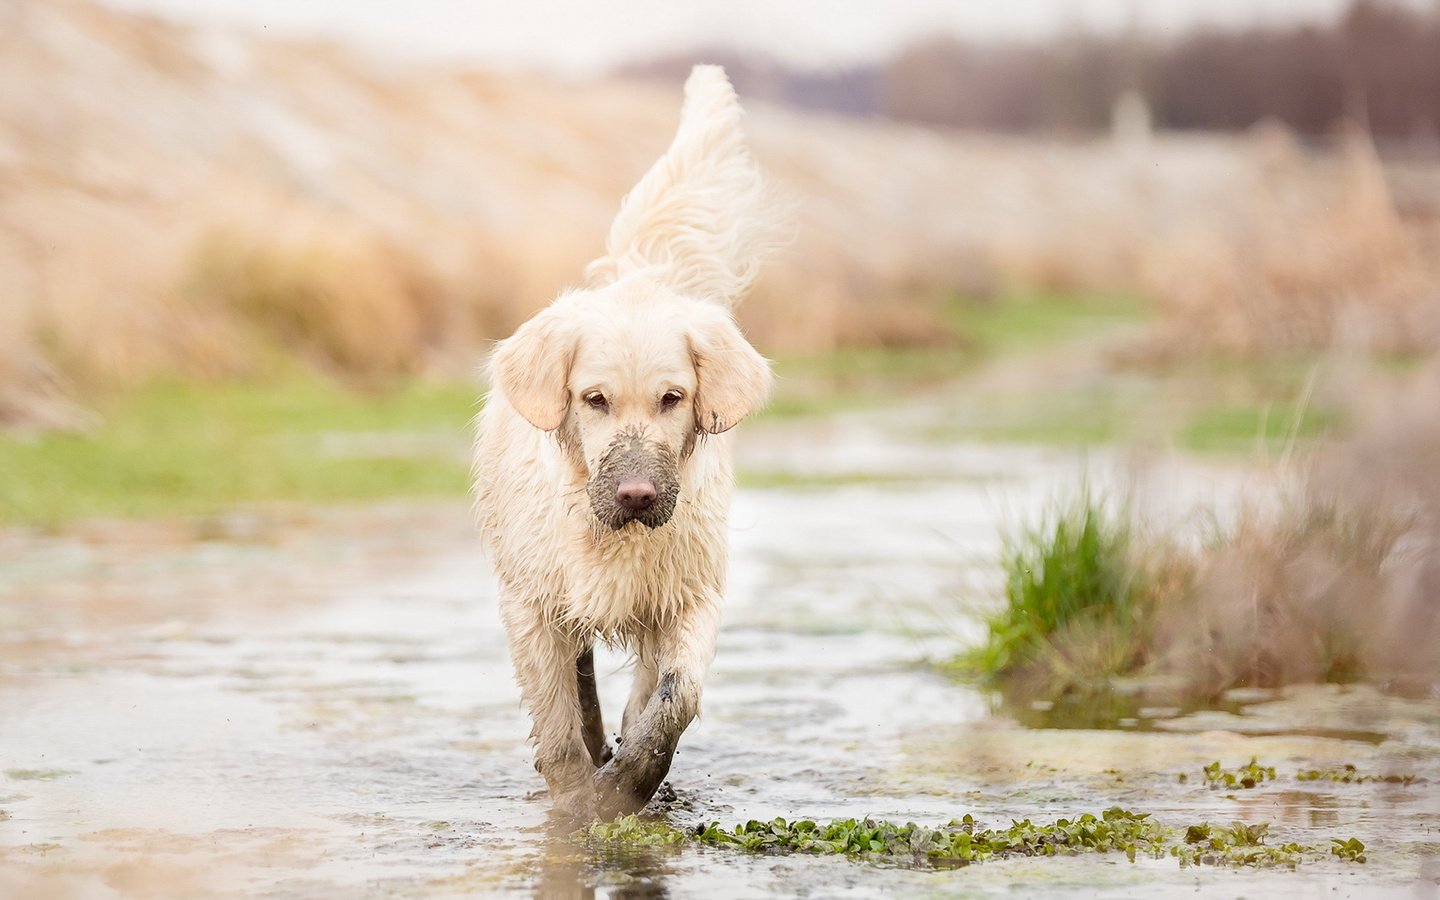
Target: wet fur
572 567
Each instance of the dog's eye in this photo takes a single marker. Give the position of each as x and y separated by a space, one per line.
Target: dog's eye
671 398
596 400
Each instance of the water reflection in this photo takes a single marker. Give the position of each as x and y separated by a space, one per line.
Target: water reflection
1304 807
568 870
1158 708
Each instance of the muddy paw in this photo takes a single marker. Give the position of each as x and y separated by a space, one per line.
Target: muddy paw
616 794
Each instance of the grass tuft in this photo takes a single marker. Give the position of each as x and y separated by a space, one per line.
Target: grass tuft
1079 596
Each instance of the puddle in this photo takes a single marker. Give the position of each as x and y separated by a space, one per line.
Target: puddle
318 703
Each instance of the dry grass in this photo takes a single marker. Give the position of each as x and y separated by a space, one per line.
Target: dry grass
1341 581
351 308
1305 265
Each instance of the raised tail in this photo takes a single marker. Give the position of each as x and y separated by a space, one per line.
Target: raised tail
701 220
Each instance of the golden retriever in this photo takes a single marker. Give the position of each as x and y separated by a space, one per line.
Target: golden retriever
602 461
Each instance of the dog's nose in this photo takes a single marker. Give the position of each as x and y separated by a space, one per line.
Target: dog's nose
636 494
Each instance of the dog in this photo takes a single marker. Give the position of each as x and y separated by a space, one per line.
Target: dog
602 461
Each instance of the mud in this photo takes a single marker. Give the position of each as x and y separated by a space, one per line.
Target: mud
318 703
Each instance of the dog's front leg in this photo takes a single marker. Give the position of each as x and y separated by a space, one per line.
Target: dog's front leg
641 688
592 725
545 661
682 654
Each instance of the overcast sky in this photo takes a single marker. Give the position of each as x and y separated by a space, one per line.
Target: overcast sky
580 37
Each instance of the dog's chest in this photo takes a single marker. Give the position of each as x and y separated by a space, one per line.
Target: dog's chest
639 580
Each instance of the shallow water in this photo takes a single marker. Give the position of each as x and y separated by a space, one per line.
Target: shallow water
316 703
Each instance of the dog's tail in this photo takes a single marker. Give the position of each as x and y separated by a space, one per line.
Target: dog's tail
701 220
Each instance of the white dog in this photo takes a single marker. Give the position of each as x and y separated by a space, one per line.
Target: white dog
602 467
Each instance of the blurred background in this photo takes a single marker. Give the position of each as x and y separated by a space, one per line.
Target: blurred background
1185 254
240 189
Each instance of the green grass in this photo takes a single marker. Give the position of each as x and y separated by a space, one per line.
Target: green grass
1080 596
1221 406
1076 569
1242 429
1162 413
822 384
1020 322
771 479
192 448
1224 407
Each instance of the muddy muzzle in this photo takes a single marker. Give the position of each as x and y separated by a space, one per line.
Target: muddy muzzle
636 481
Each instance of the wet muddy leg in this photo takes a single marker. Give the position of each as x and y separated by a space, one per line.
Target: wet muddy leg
626 783
655 719
545 660
592 728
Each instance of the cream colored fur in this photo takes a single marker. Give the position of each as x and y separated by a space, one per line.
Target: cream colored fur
652 322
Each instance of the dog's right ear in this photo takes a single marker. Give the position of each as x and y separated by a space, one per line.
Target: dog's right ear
532 369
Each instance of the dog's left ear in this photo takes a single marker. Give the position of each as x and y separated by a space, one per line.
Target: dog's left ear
732 380
532 369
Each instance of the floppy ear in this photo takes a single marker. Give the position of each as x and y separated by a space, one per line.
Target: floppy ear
731 379
532 369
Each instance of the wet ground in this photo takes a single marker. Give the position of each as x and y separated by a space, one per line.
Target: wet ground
318 703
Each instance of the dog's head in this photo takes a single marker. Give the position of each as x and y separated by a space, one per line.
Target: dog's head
629 377
633 370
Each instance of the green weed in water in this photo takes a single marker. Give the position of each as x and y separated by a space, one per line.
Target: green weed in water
1252 774
1237 844
633 831
1348 774
963 841
1249 775
1352 850
37 774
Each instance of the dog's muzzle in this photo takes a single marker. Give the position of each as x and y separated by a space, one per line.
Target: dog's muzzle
636 481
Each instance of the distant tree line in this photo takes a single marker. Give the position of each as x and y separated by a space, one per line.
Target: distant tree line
1378 64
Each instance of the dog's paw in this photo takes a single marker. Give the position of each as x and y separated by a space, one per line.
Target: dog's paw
615 793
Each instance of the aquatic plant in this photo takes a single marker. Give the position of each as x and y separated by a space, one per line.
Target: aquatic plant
1252 774
1351 850
1348 774
960 841
1237 844
963 841
1247 776
37 774
633 831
